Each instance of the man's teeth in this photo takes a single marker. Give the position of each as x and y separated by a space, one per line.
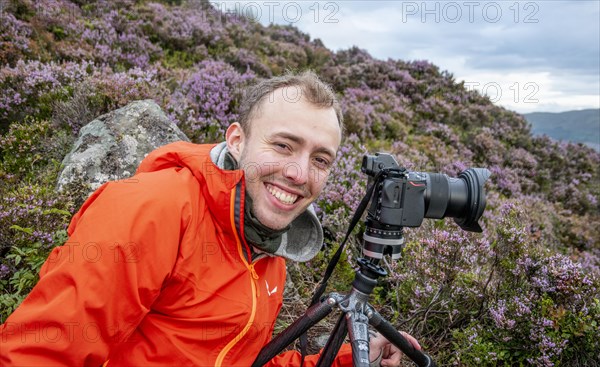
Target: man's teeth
284 197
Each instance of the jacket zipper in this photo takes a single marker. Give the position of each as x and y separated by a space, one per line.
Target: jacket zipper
253 284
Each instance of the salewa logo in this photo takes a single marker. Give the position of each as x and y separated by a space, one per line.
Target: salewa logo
270 291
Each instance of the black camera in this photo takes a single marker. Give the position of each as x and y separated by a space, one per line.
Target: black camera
402 199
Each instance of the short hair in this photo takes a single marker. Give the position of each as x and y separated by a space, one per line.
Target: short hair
311 87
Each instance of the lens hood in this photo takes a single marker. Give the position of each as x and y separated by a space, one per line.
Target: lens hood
475 179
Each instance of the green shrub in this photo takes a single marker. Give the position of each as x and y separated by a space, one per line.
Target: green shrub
33 220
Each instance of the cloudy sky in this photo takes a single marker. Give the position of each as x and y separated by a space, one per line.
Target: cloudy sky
528 56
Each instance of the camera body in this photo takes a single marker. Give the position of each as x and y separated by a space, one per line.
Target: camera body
402 199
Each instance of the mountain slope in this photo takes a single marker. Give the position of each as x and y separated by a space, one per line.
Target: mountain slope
577 126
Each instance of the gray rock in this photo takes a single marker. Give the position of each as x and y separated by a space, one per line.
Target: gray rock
112 146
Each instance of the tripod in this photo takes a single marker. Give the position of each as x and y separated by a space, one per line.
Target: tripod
357 313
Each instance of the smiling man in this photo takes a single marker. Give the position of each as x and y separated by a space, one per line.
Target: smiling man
189 263
291 143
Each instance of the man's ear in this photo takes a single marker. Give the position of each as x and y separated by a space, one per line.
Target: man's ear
235 139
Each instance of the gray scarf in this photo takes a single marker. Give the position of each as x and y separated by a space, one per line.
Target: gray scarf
259 235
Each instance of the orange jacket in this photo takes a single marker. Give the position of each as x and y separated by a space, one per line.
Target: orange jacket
155 272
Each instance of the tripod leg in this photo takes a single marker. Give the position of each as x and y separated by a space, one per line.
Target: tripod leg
335 341
358 332
312 316
391 334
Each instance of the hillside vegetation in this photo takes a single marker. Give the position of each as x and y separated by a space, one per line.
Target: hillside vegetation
524 292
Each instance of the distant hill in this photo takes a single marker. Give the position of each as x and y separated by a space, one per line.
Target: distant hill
577 126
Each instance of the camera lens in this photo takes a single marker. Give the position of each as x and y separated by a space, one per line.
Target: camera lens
462 198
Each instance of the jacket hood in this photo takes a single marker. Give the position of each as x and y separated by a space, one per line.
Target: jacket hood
300 243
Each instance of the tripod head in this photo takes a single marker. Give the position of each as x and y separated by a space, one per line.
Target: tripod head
402 199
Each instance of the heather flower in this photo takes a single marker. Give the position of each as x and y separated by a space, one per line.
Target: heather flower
118 40
14 38
373 113
35 208
28 81
181 27
4 271
206 103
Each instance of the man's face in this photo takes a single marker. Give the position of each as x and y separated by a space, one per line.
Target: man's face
287 155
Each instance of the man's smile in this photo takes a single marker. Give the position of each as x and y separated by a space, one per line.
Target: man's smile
283 196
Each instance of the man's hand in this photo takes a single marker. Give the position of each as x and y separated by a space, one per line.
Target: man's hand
390 355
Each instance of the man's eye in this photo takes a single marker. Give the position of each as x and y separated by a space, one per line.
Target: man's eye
322 163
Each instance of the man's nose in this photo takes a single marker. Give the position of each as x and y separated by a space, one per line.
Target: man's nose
297 170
